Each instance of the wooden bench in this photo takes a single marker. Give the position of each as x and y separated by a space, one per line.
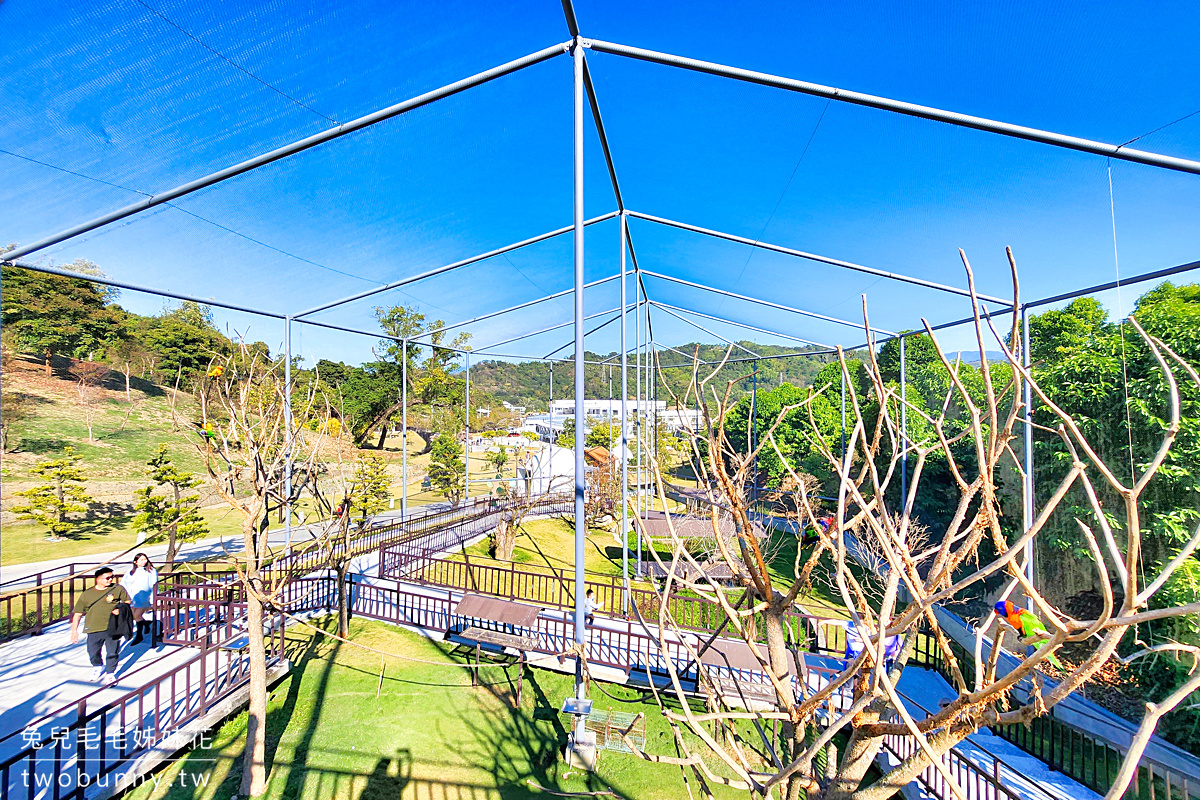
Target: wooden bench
731 689
516 641
500 639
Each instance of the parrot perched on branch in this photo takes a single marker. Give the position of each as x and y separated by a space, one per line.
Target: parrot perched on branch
1027 625
812 537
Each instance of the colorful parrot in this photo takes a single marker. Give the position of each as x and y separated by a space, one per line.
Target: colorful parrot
216 371
824 523
1027 625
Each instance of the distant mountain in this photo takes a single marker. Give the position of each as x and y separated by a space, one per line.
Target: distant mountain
527 383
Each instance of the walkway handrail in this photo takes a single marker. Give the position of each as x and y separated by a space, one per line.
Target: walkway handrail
88 743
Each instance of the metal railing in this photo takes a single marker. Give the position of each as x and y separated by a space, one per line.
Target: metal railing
88 741
31 609
1082 756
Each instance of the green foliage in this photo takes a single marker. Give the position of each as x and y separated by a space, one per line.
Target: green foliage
567 437
447 471
526 384
52 315
49 503
174 516
604 434
372 486
498 458
185 341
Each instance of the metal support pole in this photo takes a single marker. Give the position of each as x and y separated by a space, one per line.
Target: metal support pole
652 493
287 420
637 420
1027 504
903 431
404 431
624 432
467 438
754 431
580 527
551 406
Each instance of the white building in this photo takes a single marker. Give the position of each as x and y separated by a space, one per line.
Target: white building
552 468
604 409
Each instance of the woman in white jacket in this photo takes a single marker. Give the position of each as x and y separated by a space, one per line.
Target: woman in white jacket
142 583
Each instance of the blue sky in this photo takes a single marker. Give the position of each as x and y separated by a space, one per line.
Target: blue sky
139 96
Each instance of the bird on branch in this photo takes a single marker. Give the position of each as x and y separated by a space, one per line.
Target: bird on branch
1027 625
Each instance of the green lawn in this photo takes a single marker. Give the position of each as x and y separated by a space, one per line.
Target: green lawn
551 543
23 544
336 731
125 436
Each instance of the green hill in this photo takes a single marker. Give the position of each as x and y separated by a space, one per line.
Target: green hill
527 383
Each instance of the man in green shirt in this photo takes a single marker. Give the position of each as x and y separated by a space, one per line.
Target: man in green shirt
95 606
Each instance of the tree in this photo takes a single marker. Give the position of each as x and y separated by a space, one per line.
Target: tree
185 340
246 446
567 437
16 407
498 458
52 315
447 472
175 516
125 353
49 503
372 486
604 434
971 548
89 379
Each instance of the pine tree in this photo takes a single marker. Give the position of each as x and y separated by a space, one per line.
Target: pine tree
175 516
50 502
446 469
372 486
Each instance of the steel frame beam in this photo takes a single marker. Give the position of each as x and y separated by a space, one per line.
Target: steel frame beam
450 267
547 330
900 107
768 303
700 327
775 248
767 331
517 307
601 326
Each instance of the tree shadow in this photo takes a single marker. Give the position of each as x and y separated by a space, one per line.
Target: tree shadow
304 654
40 445
520 744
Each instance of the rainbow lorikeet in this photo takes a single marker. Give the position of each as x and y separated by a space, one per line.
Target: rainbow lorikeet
812 537
1027 625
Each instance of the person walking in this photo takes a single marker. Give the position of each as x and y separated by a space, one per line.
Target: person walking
590 606
142 585
95 606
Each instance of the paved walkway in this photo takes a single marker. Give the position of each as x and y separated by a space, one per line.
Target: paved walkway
15 576
44 673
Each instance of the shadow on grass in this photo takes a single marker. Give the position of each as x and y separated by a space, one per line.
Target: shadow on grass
311 653
520 745
40 445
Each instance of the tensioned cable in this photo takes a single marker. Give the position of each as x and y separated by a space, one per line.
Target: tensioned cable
786 186
230 61
1112 210
1160 128
192 214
